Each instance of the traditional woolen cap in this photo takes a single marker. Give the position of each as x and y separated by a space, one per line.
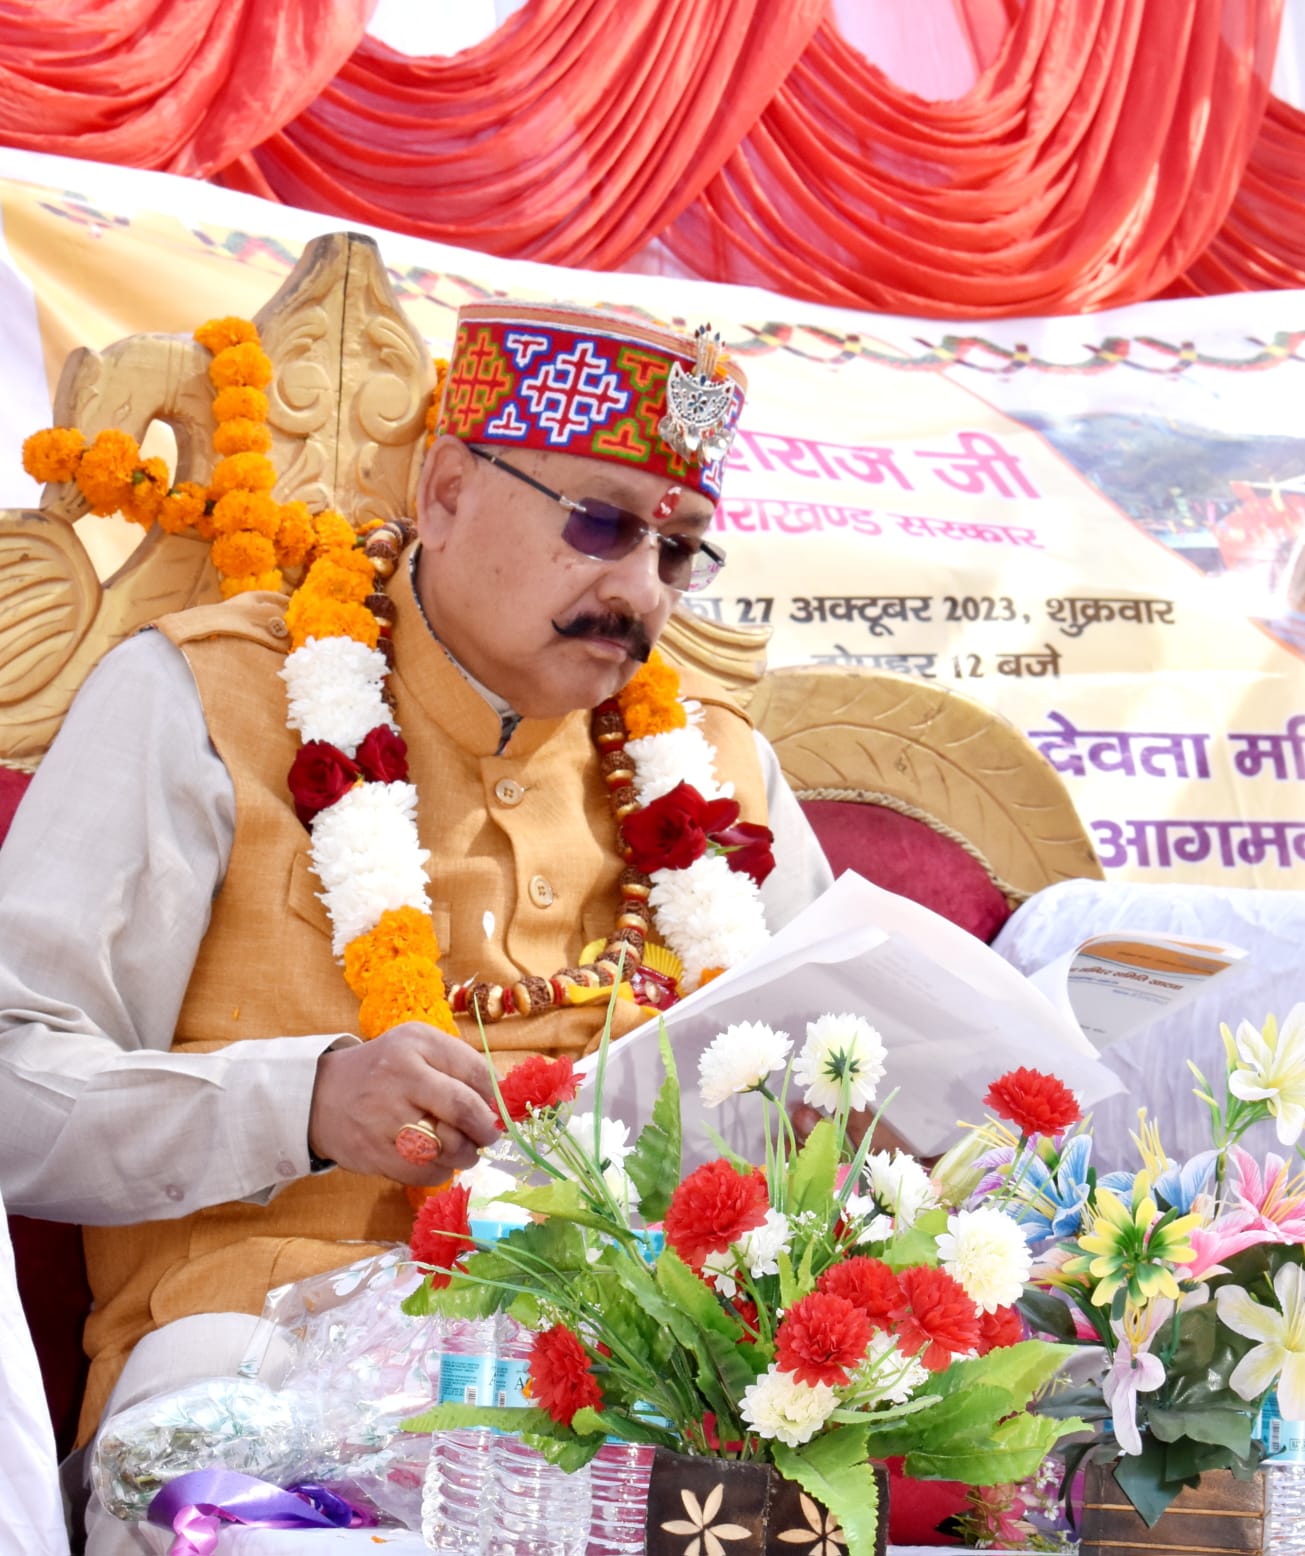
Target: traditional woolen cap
575 381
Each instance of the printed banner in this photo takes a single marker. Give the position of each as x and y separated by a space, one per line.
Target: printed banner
1094 525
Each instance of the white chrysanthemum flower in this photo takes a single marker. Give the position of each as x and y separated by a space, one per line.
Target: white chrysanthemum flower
367 856
756 1251
488 1184
837 1049
709 915
333 686
740 1059
778 1406
875 1226
987 1252
621 1186
678 756
892 1376
900 1185
1270 1068
613 1138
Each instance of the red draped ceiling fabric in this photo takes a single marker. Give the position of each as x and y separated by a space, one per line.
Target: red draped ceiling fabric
181 85
1110 150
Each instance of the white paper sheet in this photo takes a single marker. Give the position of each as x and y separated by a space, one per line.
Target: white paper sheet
952 1014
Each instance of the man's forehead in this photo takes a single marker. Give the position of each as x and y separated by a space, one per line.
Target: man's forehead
626 486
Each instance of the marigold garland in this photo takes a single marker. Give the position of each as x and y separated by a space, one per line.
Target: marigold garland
650 701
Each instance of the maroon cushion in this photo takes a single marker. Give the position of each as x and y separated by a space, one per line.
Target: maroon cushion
12 785
50 1264
908 857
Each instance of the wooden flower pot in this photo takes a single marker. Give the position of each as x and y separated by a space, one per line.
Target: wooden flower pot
1221 1516
720 1507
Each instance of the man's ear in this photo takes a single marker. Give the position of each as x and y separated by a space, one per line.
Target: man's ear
439 491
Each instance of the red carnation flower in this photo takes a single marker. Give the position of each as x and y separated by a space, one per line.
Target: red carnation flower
1002 1328
1038 1104
441 1234
383 755
560 1380
749 848
866 1283
536 1083
319 775
745 1310
713 1208
936 1319
670 832
821 1339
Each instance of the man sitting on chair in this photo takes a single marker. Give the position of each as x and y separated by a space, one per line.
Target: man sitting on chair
179 1063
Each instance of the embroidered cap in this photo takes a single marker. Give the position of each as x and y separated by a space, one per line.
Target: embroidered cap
575 381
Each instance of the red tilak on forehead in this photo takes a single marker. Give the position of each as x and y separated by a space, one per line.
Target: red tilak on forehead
669 502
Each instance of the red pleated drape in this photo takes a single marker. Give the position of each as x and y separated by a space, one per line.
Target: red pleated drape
1092 164
185 86
1110 150
573 134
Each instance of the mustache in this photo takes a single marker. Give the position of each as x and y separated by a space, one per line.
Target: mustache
626 630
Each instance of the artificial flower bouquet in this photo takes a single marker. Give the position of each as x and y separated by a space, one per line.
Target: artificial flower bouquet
1186 1275
814 1310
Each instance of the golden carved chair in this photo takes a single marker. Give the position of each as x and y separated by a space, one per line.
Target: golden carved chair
921 788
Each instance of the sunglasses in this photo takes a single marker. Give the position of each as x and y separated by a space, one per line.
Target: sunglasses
605 533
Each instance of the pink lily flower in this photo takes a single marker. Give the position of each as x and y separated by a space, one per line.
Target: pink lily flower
1226 1235
1134 1370
1275 1198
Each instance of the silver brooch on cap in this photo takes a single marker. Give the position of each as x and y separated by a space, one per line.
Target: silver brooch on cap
698 403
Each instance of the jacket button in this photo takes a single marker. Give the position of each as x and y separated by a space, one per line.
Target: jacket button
278 628
509 791
541 893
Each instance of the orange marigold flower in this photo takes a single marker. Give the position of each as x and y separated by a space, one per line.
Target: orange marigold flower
294 534
398 932
217 334
182 508
650 701
310 617
240 402
436 400
332 532
104 476
53 455
406 988
246 365
149 488
343 575
241 510
248 472
270 582
241 436
243 552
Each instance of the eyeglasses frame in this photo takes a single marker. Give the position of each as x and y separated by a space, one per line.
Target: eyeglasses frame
714 553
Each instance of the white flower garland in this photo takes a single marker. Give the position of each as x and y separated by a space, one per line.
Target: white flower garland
366 852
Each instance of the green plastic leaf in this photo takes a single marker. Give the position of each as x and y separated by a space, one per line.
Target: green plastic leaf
918 1244
1018 1371
833 1469
589 1422
1047 1314
561 1198
654 1164
1142 1479
1230 1429
1012 1450
811 1175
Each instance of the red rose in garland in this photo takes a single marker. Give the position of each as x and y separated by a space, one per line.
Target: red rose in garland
712 1208
560 1381
383 755
748 848
670 832
1037 1104
535 1084
319 775
441 1233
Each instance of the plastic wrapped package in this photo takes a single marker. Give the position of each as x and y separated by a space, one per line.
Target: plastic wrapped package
359 1366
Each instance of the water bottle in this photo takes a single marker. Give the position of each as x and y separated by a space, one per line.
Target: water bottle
1284 1482
533 1508
457 1476
619 1477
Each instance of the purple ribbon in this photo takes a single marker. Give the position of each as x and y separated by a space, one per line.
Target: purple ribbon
195 1507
